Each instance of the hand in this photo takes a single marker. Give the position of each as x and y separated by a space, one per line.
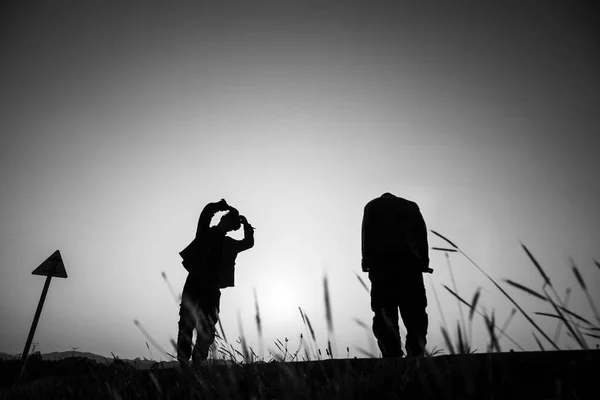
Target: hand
223 206
365 264
244 221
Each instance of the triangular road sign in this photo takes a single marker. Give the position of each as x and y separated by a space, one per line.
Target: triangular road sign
53 266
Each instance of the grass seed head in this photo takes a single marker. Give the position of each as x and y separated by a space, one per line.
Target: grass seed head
537 265
448 341
444 238
526 289
578 275
474 303
328 315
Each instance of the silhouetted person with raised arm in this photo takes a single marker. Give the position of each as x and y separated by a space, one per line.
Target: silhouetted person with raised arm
395 254
210 261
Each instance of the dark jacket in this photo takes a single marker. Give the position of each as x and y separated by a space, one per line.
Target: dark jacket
393 233
210 257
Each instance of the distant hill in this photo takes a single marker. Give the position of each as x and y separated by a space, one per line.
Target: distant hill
59 355
139 363
4 356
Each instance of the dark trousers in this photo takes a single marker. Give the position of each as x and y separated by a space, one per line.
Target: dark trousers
406 292
199 310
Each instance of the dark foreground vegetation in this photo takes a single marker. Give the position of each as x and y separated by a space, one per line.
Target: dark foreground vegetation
514 375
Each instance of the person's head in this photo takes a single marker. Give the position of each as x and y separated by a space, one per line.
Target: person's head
230 221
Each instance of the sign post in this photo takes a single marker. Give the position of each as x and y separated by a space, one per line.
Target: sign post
53 266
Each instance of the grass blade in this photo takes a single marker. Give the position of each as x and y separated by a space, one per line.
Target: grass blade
363 283
507 322
525 289
310 328
327 305
592 335
578 275
556 316
222 331
462 348
444 238
577 336
437 300
302 315
560 324
501 330
474 303
532 322
361 324
584 287
258 324
175 297
457 296
544 314
448 341
538 342
537 265
460 310
149 338
257 317
444 249
571 313
490 323
278 345
309 331
246 354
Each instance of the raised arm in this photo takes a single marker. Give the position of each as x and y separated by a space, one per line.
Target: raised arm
208 213
248 241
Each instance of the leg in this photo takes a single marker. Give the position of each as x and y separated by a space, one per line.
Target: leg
206 327
385 321
412 309
188 316
387 332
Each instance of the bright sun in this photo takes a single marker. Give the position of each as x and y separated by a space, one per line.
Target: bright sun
278 304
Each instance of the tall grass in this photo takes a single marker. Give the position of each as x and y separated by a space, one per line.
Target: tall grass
565 316
578 327
194 385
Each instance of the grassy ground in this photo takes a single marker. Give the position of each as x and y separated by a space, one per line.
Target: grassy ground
521 375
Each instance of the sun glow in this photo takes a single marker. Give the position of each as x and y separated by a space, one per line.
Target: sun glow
278 305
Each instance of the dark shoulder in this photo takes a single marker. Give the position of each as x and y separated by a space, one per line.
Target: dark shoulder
395 200
411 204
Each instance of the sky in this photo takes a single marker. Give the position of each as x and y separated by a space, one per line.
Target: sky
122 120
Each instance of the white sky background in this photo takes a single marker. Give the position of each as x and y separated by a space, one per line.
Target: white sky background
120 122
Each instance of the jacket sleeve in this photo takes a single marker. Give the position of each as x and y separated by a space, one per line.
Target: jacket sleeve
207 214
420 235
247 242
366 250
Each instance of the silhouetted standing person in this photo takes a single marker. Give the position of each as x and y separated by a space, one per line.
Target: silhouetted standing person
210 261
395 254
